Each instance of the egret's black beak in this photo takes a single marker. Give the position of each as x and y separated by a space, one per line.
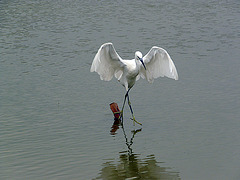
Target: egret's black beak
142 63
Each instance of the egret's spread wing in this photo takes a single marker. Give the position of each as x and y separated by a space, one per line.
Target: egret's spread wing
158 64
107 63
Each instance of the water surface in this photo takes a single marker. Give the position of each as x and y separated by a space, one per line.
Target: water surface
55 116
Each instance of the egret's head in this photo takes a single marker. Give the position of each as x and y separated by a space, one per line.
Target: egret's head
138 56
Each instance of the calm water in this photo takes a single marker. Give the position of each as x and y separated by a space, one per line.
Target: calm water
54 114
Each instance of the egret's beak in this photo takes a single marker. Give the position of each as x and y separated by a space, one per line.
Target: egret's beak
142 63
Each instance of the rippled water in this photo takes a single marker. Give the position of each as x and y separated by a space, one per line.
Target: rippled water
54 114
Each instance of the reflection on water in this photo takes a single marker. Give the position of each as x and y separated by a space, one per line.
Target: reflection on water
130 143
130 166
115 126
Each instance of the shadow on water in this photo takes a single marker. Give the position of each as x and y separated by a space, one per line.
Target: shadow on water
130 166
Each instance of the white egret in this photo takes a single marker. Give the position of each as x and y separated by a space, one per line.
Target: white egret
156 63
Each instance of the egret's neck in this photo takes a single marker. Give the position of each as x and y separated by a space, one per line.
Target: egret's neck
138 64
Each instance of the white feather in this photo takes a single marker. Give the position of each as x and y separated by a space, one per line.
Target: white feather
107 63
158 64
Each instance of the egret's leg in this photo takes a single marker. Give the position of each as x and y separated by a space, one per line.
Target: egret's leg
121 115
126 95
133 117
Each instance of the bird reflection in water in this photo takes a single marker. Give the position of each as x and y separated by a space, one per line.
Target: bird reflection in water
130 166
130 143
115 127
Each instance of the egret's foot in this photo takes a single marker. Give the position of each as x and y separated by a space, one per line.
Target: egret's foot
134 120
